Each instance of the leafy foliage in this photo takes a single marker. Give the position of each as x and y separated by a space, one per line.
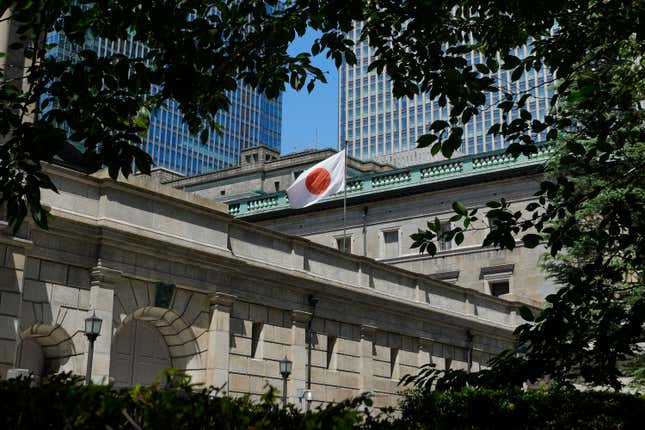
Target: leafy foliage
512 408
590 208
591 204
62 401
196 52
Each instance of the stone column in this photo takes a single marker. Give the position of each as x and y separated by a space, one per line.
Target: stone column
102 281
219 338
12 265
366 351
298 377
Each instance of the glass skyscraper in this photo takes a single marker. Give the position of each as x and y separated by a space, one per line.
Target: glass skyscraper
252 119
375 123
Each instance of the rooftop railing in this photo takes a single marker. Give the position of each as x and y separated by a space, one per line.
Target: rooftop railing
435 172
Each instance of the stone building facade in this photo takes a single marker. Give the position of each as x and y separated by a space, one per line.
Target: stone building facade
179 282
386 206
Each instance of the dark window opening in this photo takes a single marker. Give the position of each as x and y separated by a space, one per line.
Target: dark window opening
499 288
344 244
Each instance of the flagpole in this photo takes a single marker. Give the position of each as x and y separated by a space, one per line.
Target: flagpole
345 205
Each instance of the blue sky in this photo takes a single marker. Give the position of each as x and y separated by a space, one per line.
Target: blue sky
303 112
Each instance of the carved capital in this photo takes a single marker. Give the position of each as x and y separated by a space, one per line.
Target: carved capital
367 331
300 317
104 276
222 300
425 344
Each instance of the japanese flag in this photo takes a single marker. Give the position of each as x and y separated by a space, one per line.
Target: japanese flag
314 184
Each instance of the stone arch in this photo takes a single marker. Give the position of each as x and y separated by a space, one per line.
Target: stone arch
164 334
138 354
46 349
182 319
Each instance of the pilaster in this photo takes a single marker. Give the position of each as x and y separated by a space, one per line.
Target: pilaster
102 282
219 338
12 265
424 355
298 378
367 357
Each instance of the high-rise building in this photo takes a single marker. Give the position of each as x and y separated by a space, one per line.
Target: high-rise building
377 125
252 119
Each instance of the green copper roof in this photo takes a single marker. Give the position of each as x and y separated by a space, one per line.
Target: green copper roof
435 172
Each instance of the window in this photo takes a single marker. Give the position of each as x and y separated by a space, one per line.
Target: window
331 352
276 184
499 288
256 340
497 279
222 192
296 174
391 243
344 244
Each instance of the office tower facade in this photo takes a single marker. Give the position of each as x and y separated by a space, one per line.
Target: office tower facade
376 124
252 119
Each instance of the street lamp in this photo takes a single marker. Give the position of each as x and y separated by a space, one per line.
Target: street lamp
92 331
285 371
313 301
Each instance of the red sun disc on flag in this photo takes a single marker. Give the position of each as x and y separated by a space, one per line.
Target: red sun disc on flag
318 181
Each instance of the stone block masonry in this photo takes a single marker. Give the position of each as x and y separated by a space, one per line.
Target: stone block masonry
180 283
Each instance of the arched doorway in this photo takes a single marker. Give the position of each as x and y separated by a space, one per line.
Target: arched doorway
45 349
139 353
31 357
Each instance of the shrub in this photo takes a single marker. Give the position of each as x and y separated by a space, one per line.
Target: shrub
533 409
63 402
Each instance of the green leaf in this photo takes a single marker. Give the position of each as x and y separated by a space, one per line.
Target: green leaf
511 62
203 137
526 313
482 68
459 208
426 140
531 240
439 125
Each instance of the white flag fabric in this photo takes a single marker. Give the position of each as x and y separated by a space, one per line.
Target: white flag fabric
314 184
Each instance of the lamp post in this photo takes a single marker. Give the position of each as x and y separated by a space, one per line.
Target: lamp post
285 371
313 301
92 331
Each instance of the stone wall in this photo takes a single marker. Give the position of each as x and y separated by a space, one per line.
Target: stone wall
366 224
226 299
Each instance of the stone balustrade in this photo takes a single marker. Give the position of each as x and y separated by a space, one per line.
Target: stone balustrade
430 173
